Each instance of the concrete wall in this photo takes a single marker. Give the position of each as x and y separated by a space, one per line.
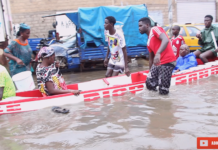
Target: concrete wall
216 11
30 11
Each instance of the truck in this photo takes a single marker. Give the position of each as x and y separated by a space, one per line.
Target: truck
90 38
6 30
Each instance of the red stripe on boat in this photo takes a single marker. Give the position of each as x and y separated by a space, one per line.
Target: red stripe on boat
106 94
9 106
119 92
135 89
63 95
16 109
91 97
192 77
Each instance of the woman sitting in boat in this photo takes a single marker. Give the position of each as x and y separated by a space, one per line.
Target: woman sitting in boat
186 59
49 78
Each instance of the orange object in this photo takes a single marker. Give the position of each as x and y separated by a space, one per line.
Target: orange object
23 44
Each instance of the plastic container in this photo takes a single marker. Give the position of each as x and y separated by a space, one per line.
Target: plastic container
24 81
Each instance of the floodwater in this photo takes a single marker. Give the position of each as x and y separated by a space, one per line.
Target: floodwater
130 122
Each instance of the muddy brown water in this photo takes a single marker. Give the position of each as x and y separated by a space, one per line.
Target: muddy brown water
130 122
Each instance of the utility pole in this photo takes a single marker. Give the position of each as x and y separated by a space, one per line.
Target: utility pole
3 32
170 15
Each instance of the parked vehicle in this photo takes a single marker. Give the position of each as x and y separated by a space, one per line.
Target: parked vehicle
201 26
66 52
189 34
6 32
90 39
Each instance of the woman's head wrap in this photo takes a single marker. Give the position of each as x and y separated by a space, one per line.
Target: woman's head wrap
45 52
24 26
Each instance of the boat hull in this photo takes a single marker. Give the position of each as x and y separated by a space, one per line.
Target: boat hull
99 89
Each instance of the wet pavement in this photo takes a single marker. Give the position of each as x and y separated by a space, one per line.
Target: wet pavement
130 122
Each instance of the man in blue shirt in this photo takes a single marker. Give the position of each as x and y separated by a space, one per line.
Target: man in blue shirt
186 59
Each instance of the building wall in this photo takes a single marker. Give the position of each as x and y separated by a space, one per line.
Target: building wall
152 5
216 11
31 11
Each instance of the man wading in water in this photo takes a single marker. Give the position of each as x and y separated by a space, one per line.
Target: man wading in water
117 47
161 57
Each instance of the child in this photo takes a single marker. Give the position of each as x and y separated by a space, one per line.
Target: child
177 40
117 47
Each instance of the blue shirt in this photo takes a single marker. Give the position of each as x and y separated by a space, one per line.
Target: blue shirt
21 51
186 62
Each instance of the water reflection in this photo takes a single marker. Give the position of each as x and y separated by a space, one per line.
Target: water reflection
143 121
161 119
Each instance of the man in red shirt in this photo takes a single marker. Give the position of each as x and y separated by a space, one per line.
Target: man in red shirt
161 57
177 40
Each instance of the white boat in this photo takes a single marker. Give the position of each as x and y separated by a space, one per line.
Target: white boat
101 88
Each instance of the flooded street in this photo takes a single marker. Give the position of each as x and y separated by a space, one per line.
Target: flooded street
130 122
136 65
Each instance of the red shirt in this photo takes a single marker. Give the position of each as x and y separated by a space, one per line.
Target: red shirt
176 43
154 43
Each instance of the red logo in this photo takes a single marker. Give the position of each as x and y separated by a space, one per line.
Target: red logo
91 96
207 143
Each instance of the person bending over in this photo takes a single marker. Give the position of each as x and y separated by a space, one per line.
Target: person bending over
161 57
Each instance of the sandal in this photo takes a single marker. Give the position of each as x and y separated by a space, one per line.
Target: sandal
60 110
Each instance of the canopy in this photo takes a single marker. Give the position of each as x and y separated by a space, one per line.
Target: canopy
74 18
91 21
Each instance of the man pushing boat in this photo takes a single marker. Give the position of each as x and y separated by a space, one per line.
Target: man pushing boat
117 47
161 57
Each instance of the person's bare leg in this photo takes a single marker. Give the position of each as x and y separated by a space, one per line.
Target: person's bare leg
197 53
109 73
204 56
115 73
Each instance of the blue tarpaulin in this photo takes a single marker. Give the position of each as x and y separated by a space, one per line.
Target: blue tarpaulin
74 18
91 21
